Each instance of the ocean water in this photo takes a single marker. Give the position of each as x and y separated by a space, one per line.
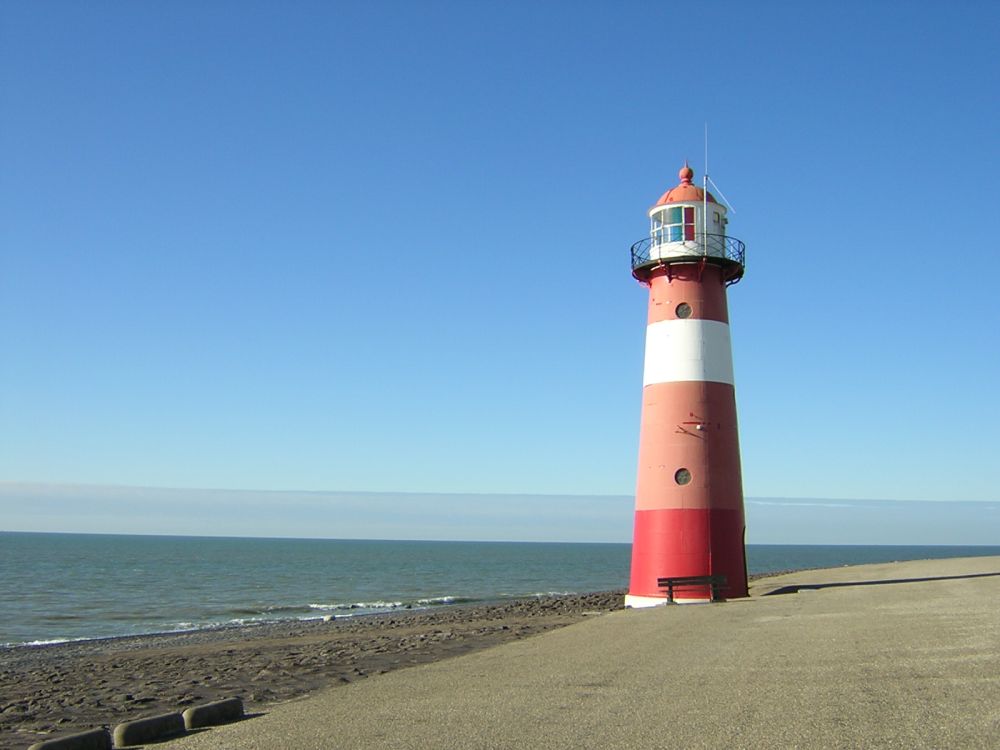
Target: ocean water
58 587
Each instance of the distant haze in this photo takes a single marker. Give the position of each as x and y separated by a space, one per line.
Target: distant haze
495 517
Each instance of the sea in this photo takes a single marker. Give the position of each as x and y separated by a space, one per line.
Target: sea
67 587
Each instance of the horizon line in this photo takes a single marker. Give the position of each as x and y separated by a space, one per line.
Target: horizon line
440 541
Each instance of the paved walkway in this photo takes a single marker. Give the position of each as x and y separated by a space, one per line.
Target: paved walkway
905 655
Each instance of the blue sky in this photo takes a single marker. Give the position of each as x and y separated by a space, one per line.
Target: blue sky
384 246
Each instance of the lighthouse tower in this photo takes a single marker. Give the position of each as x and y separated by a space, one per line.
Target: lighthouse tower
689 492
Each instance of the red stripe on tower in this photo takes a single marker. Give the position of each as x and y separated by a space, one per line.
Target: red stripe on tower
689 491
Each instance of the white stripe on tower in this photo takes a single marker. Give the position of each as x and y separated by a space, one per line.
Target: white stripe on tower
688 349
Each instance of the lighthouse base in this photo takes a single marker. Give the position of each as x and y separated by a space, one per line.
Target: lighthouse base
682 542
642 602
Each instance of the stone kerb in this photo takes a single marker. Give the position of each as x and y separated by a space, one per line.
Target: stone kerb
210 714
150 729
94 739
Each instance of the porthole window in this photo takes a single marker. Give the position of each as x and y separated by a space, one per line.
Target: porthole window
683 310
682 476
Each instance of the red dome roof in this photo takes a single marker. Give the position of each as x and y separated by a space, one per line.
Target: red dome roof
686 192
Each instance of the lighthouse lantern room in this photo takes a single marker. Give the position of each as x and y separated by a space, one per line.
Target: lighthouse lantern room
689 521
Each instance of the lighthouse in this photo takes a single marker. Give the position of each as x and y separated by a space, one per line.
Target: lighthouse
689 518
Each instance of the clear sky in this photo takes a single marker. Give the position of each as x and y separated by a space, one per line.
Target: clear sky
384 246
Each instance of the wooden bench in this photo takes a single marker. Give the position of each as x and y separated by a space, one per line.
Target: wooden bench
672 584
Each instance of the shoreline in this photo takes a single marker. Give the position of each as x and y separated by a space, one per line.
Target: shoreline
230 627
249 628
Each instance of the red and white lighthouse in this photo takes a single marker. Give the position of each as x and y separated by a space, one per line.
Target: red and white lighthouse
689 492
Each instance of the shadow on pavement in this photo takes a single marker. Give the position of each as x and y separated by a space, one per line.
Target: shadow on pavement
796 587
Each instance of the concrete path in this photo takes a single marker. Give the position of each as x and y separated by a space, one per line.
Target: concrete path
906 656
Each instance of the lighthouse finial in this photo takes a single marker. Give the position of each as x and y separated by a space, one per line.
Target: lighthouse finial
686 174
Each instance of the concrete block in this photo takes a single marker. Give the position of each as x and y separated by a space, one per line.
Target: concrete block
150 729
94 739
210 714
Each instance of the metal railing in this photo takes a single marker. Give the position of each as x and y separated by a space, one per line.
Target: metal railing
717 249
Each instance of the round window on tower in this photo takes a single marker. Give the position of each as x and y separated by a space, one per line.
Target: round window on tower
683 310
682 476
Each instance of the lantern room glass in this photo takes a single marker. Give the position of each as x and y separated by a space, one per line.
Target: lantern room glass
675 224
